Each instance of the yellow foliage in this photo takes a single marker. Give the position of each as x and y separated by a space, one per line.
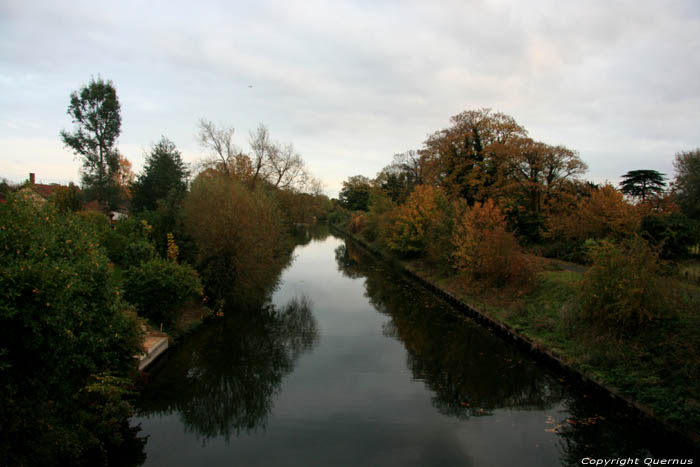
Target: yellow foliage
411 220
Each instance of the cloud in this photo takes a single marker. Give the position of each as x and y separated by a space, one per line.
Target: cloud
353 82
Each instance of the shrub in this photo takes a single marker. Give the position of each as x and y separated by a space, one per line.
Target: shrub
674 233
63 326
129 243
158 288
357 222
623 288
485 250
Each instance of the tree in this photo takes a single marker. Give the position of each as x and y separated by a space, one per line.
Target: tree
67 340
238 233
164 177
412 220
355 193
468 157
536 174
226 157
687 182
95 113
643 184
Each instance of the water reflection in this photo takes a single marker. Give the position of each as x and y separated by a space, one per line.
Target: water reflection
221 381
471 372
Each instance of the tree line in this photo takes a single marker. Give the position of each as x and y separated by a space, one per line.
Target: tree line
77 288
483 199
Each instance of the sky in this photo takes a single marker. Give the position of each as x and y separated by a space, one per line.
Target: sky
351 83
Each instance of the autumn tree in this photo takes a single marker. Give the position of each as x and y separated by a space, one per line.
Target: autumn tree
484 249
468 157
535 175
225 156
643 184
286 168
411 221
238 233
605 214
686 185
96 115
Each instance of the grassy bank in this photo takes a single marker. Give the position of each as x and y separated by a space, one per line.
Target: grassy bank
658 366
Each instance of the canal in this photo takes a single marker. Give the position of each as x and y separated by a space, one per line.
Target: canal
348 363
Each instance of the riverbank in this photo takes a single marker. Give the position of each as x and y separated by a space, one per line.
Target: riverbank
652 374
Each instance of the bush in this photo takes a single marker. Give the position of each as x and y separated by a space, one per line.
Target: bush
158 288
63 326
675 234
485 250
357 223
624 287
129 243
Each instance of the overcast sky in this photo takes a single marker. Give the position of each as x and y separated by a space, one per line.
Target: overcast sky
350 83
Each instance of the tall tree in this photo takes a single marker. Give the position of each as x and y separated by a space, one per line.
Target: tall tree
687 182
96 116
355 193
643 184
468 157
164 177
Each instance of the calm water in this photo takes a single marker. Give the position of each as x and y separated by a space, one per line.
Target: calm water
376 371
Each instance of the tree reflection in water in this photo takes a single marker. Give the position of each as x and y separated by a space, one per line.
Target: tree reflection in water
470 372
473 373
221 380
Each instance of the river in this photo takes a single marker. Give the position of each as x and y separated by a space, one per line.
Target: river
349 363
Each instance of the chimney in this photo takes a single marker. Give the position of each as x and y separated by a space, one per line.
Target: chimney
32 178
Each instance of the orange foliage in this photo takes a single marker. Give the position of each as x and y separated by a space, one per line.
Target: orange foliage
411 220
605 214
484 249
357 223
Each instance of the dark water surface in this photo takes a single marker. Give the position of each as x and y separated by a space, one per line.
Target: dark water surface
375 371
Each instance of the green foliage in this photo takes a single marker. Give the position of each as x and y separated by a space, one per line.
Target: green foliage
675 234
96 114
164 177
128 243
687 182
624 287
377 222
355 193
62 324
158 288
643 184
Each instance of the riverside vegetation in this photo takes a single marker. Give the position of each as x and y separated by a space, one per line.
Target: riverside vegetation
600 275
78 290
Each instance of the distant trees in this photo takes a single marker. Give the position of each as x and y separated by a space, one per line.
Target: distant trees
687 182
643 184
96 115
